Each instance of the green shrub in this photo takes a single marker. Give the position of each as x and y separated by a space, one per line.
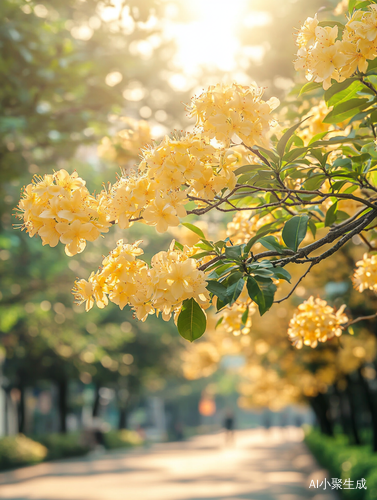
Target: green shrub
346 462
122 439
19 450
371 492
63 445
324 447
363 464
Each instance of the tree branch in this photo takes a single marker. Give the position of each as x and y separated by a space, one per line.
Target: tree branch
360 318
296 285
354 228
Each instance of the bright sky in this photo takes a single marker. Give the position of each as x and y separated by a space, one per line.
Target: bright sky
208 38
211 38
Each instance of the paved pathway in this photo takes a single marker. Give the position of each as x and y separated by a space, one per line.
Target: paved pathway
259 465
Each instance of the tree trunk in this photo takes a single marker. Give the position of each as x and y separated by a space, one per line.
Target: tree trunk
6 414
343 413
370 399
95 410
123 414
353 417
63 406
21 410
321 409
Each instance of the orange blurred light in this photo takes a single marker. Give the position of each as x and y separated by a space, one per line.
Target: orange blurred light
207 407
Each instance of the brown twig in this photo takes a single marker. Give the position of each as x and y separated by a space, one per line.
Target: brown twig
203 267
369 85
360 318
296 285
366 241
355 227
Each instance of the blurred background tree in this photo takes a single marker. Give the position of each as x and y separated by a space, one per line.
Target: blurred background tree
65 71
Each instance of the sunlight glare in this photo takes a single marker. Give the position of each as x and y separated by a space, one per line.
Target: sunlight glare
211 39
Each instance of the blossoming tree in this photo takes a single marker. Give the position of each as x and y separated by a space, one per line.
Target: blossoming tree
299 194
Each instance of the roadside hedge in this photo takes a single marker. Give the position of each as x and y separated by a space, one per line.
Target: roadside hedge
122 439
63 445
345 461
19 450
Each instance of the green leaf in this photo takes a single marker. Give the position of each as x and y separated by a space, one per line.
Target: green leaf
234 291
217 289
343 162
370 148
286 136
314 182
341 215
331 24
294 231
363 5
261 264
178 245
308 87
220 269
206 245
331 214
245 315
233 277
199 255
191 320
263 273
235 252
220 304
281 274
271 243
270 154
254 239
194 229
219 245
312 227
346 110
262 292
219 322
340 92
295 140
245 169
351 5
317 138
294 154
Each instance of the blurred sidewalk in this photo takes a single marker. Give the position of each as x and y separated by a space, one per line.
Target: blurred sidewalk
259 465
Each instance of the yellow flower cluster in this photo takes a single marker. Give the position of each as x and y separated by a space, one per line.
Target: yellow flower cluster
200 360
315 322
324 57
227 110
232 316
59 207
243 226
127 280
127 143
264 387
179 169
168 174
365 275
